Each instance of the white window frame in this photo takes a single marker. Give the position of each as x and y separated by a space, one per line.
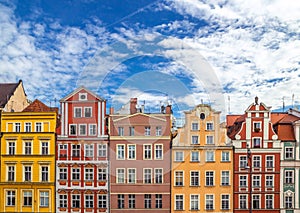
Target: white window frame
27 147
225 156
89 150
225 175
89 201
9 171
24 173
290 153
195 126
102 201
102 150
120 157
63 201
257 126
147 130
158 131
147 174
246 201
210 140
268 161
158 150
269 180
17 127
11 148
255 160
102 174
196 154
79 112
39 127
209 179
290 177
159 174
28 127
181 200
209 199
82 96
75 171
62 173
179 156
209 126
254 139
192 182
44 198
243 181
207 156
42 143
256 181
30 194
267 199
79 129
259 200
75 200
194 201
10 195
131 153
194 139
89 174
92 129
85 112
118 175
178 174
146 150
42 173
129 174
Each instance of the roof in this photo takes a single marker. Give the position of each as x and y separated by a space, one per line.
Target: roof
6 91
78 90
234 124
38 106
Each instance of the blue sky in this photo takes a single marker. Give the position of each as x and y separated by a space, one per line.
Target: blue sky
186 51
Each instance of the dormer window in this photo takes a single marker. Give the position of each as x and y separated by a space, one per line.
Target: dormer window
82 96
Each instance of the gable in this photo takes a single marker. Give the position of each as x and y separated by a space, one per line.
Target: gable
82 94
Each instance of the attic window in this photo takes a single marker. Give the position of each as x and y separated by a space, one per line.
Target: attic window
82 96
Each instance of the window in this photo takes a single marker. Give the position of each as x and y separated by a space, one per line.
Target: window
270 161
10 198
269 181
210 156
63 201
89 201
255 202
77 112
256 142
288 201
158 174
243 162
73 128
102 201
89 150
11 173
76 174
82 129
120 175
92 129
27 148
63 149
224 202
147 152
82 96
89 174
131 201
147 130
289 153
131 131
256 181
195 156
120 152
11 148
17 127
256 126
194 178
131 151
27 127
210 139
289 176
195 126
158 201
27 198
179 156
158 131
178 202
75 150
38 127
27 173
243 201
195 139
44 199
178 178
225 178
87 112
102 174
147 201
256 161
102 150
44 147
209 178
225 156
269 201
44 173
209 202
120 201
120 131
209 126
75 201
158 151
147 175
63 174
131 176
194 202
243 181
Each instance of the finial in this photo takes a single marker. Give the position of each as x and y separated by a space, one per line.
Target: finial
256 100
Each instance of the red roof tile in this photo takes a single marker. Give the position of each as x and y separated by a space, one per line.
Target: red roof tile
38 106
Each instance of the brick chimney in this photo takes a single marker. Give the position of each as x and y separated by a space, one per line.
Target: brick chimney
133 103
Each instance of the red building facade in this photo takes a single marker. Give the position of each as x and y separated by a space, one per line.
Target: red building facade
82 154
140 160
256 160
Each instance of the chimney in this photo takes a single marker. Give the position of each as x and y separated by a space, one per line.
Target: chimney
133 103
111 110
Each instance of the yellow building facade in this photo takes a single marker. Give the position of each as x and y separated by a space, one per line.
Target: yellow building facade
202 164
27 161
